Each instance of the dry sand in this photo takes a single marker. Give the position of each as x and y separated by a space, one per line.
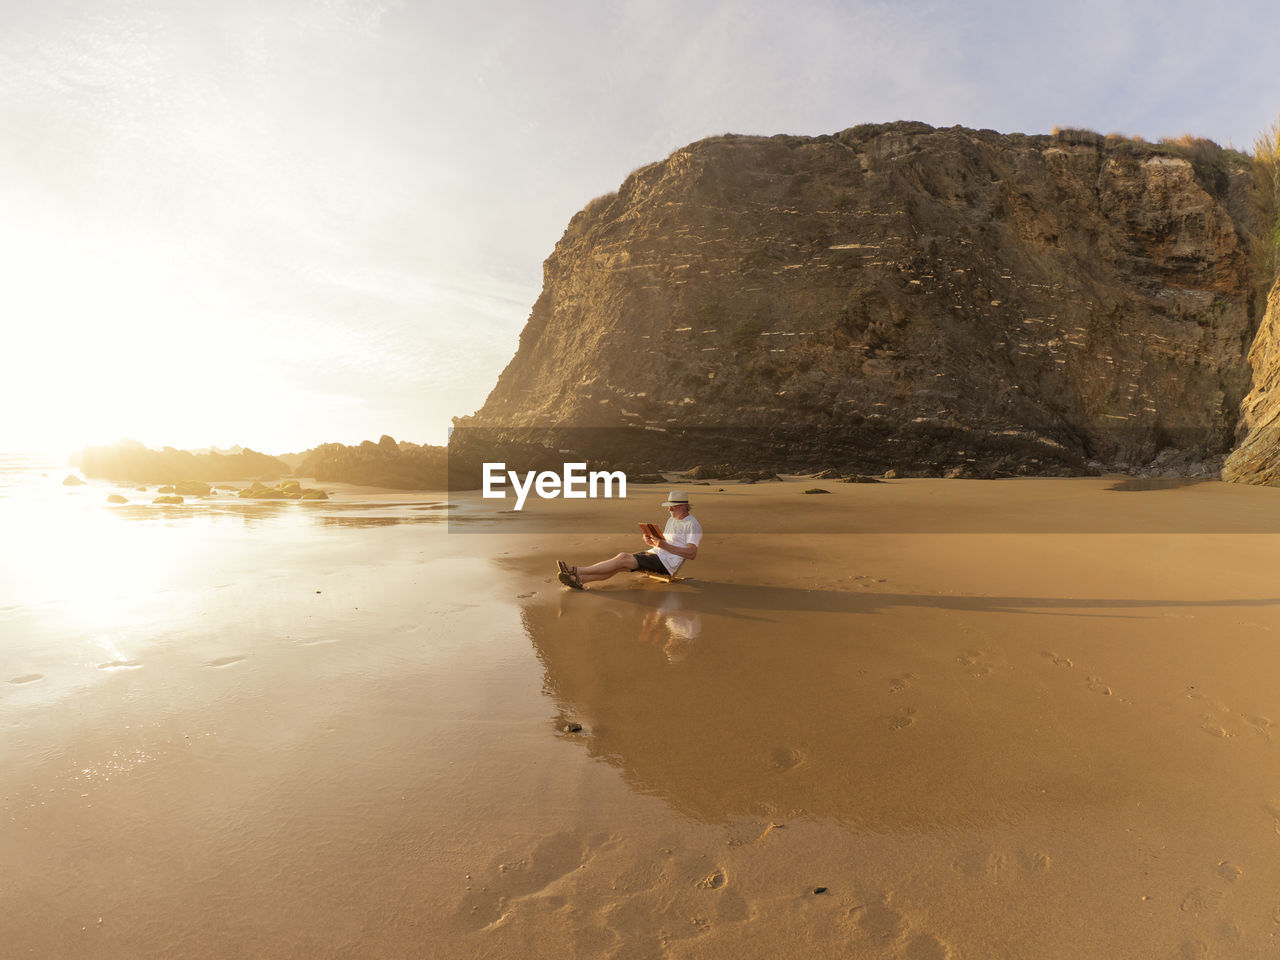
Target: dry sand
976 744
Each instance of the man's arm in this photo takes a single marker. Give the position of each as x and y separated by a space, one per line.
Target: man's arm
688 551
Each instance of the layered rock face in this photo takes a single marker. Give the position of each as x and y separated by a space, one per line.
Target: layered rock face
1257 458
899 296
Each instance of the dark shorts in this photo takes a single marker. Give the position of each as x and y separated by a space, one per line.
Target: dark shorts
650 562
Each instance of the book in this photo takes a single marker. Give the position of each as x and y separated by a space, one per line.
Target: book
650 529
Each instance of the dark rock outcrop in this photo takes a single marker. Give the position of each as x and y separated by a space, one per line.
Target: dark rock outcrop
899 297
129 460
284 490
399 466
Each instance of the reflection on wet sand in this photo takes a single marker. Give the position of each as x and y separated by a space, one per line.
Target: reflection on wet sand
767 701
667 620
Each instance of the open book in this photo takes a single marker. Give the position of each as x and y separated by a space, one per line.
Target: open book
650 530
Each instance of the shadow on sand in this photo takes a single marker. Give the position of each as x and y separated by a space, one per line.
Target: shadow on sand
766 602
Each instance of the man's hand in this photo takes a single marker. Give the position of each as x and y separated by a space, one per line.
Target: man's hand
655 541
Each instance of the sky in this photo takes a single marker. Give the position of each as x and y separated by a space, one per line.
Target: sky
278 224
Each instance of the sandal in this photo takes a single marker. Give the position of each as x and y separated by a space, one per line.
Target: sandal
569 576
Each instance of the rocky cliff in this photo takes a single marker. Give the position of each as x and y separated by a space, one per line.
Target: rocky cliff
1257 458
899 296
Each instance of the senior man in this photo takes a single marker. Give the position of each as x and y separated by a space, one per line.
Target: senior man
678 543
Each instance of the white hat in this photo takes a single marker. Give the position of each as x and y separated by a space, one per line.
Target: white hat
676 498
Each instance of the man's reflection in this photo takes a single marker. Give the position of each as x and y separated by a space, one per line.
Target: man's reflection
672 626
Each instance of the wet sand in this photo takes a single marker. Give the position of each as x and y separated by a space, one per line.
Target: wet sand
975 744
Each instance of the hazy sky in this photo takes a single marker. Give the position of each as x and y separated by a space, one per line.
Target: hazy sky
279 224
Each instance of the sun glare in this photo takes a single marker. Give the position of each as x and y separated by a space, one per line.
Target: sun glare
65 549
115 337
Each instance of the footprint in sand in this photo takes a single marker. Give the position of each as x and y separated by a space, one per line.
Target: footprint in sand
889 929
119 665
1213 722
1200 900
1210 726
880 922
1097 686
223 661
977 662
903 719
1035 862
898 684
515 877
1215 705
996 866
714 880
784 759
525 596
1261 726
28 678
741 841
1216 721
1228 871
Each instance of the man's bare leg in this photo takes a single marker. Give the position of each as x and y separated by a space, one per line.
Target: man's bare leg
608 568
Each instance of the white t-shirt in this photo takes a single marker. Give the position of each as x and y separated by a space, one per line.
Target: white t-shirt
679 533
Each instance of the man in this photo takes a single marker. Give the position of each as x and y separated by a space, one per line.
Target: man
678 543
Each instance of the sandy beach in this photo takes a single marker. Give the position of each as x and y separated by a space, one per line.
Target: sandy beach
920 719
